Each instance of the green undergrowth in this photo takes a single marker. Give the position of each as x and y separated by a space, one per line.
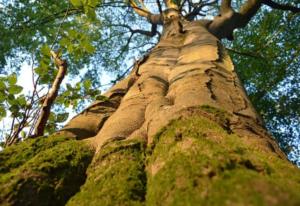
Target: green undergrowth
194 161
43 171
116 176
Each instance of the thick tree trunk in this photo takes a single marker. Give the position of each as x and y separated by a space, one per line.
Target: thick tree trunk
179 130
184 121
187 70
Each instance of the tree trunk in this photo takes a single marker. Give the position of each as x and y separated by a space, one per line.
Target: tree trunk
188 70
180 130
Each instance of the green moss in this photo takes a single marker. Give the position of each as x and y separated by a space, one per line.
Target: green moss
18 154
221 116
208 166
193 161
116 177
48 177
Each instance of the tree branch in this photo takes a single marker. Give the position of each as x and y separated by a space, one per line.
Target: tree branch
225 6
159 7
50 98
144 12
196 9
223 25
248 54
139 31
170 5
284 7
247 11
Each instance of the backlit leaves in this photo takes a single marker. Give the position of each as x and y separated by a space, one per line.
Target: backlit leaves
10 98
77 3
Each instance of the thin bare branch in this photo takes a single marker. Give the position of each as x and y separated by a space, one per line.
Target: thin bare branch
143 6
285 7
140 11
159 6
248 54
197 8
144 12
139 31
51 96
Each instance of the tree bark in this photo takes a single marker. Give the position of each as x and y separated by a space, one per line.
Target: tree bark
188 68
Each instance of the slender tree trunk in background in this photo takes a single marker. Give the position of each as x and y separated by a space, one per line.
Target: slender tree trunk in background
179 130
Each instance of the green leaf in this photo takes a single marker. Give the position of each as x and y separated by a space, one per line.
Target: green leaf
22 100
12 79
87 84
70 48
78 86
42 69
45 50
90 12
69 86
2 111
15 89
2 85
64 42
14 109
23 134
62 117
2 97
52 117
93 3
76 3
88 47
73 34
11 99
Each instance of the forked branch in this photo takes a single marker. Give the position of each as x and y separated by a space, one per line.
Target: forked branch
196 8
228 20
144 12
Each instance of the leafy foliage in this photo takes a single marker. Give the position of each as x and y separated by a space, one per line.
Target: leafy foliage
268 63
9 96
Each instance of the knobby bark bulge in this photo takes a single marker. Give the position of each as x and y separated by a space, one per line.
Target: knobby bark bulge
179 130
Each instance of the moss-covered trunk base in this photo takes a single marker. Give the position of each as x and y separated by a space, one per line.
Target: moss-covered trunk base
43 171
116 176
194 160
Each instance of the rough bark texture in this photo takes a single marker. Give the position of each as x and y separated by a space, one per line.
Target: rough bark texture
179 130
188 68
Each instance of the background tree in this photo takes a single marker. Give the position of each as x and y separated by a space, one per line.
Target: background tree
182 79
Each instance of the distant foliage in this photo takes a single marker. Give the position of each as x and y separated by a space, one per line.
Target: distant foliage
268 63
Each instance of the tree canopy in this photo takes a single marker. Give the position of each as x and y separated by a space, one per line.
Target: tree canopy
95 37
